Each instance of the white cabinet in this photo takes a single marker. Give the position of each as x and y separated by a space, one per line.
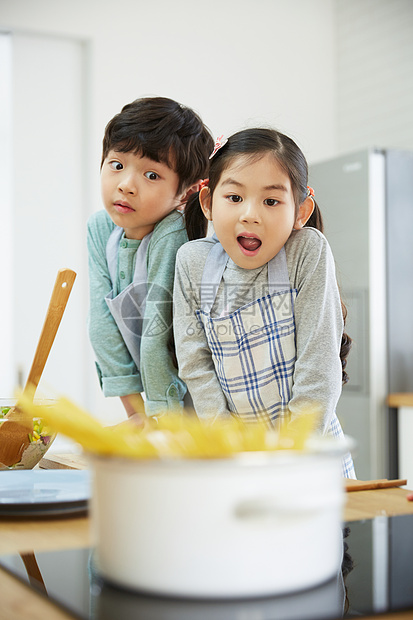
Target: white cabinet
405 438
44 207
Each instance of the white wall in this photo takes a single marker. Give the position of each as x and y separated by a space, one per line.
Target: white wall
233 61
6 227
375 74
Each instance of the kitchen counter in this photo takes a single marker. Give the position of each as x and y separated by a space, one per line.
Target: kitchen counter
25 535
400 399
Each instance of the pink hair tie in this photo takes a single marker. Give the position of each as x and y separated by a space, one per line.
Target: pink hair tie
203 183
310 191
219 143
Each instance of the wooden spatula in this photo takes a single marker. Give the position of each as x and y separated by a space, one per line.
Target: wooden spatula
15 429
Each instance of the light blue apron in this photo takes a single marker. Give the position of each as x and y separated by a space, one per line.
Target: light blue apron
254 347
128 308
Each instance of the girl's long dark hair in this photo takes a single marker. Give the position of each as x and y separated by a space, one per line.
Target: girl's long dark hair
253 144
316 221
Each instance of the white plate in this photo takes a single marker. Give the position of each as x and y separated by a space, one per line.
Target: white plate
43 492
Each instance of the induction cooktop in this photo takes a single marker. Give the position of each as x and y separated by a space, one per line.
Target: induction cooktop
375 576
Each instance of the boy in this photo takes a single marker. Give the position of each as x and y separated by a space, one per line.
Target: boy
155 152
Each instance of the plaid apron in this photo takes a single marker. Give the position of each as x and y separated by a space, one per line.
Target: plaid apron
254 347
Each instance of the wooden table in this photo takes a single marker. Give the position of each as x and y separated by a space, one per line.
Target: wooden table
401 406
22 535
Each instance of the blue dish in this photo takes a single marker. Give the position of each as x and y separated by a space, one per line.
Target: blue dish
44 492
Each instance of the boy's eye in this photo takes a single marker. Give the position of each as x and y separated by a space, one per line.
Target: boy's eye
270 202
234 198
152 176
116 165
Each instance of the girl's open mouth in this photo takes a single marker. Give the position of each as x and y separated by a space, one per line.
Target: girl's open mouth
249 245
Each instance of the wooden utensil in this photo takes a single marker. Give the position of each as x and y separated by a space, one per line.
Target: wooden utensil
367 485
16 427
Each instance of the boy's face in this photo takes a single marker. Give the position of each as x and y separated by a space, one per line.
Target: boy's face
137 192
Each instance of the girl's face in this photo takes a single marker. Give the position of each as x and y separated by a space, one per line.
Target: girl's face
253 210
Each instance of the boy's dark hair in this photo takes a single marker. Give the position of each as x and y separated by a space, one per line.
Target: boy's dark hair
165 131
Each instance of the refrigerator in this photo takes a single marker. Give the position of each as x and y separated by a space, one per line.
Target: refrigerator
366 199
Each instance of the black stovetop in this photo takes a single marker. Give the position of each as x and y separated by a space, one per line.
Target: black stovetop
376 576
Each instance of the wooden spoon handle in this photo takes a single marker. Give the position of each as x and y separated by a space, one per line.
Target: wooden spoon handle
61 291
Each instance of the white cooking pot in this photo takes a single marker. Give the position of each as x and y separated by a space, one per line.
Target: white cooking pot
255 524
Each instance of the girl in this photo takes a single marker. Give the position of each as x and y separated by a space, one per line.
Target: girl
258 321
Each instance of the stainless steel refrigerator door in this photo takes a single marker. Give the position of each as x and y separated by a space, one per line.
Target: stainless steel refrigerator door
399 233
350 191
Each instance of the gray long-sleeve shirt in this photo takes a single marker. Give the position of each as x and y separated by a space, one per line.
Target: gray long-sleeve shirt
318 317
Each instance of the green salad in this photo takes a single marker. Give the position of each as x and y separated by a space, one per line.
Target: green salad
40 431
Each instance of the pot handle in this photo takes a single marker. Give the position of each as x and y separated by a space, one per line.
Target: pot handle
270 508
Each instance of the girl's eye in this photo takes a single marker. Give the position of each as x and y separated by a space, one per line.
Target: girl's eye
152 176
270 202
234 198
116 165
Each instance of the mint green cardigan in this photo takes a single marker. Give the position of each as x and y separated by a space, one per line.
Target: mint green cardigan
117 372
